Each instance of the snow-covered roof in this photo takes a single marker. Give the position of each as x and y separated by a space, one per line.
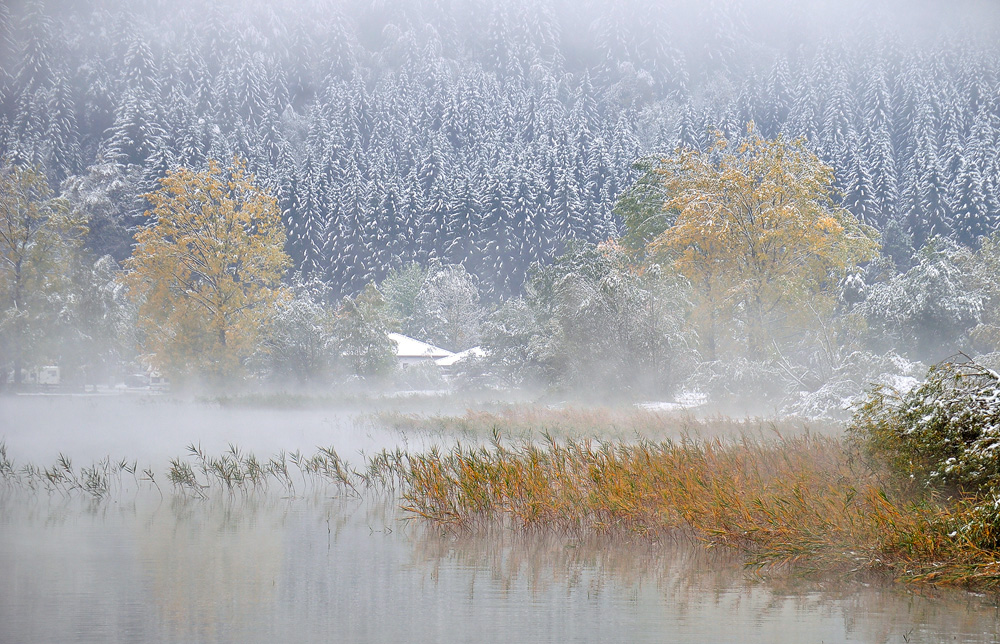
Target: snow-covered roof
474 352
407 347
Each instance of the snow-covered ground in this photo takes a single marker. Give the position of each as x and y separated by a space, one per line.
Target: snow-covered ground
685 400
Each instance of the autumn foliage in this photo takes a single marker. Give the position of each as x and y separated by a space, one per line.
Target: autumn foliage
207 270
39 239
757 232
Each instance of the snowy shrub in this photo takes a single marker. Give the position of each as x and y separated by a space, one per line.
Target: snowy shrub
473 374
591 323
446 309
741 383
418 377
110 205
400 289
932 305
989 360
299 343
941 434
519 349
978 522
986 335
831 401
846 386
362 328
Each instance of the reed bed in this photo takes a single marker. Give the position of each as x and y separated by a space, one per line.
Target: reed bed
531 421
97 480
777 495
239 472
235 472
801 502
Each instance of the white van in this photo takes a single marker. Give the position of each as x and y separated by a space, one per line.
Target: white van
48 376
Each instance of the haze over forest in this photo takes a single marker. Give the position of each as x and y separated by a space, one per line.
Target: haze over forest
487 133
495 173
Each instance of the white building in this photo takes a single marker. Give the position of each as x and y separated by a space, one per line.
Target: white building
410 351
455 358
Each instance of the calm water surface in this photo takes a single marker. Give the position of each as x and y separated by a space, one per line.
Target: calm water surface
141 568
338 569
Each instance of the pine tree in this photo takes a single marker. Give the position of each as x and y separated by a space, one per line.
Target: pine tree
466 213
527 237
972 218
859 191
928 212
837 133
34 69
778 102
434 226
8 49
138 133
876 149
566 208
693 131
308 223
492 235
186 134
805 118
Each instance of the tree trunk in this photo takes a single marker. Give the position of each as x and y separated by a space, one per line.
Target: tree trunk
18 325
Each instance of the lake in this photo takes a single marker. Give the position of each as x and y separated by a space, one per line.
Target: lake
320 567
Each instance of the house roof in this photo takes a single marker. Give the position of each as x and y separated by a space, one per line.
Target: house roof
474 352
407 347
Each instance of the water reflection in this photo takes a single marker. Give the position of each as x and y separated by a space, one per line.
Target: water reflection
340 569
207 565
682 592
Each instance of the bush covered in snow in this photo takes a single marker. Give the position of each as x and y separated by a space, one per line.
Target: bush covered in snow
740 384
930 308
855 373
943 434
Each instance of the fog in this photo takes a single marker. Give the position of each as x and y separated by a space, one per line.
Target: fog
153 429
465 159
463 222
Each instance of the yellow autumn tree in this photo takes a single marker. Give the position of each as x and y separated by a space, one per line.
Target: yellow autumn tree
207 270
760 236
39 239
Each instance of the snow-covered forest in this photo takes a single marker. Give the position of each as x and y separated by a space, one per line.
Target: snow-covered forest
476 138
486 133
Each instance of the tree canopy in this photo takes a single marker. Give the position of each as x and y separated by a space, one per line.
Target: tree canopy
38 236
484 133
759 235
207 269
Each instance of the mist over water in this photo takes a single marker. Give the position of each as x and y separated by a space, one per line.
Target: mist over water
153 429
261 566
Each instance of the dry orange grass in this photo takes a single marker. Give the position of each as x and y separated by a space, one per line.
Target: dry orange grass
625 423
801 501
